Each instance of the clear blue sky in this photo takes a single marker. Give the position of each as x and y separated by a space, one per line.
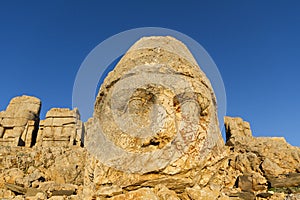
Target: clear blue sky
255 44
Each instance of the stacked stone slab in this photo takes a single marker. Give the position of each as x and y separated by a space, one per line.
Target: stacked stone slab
19 122
62 127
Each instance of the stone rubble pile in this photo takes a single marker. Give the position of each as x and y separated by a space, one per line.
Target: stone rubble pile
41 172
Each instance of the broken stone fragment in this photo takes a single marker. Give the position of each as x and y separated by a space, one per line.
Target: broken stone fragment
285 181
33 192
6 194
140 194
270 168
62 113
165 193
1 131
15 188
206 193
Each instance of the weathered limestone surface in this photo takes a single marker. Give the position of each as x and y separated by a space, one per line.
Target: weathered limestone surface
260 164
277 156
49 170
244 172
155 120
154 135
19 122
62 127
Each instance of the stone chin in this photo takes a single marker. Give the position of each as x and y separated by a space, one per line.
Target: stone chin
156 111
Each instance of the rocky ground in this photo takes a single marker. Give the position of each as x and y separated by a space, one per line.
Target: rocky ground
154 135
253 168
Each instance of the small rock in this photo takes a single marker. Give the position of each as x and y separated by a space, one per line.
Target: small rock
270 168
243 195
32 192
197 193
15 188
165 194
140 194
58 189
63 192
38 196
57 198
264 195
4 193
11 175
109 191
245 183
290 180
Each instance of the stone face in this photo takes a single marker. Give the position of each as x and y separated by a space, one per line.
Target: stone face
155 118
19 122
155 86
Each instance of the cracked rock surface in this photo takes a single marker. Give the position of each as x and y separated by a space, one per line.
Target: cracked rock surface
154 135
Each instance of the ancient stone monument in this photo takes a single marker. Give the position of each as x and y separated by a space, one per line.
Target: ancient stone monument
155 118
62 127
19 122
154 135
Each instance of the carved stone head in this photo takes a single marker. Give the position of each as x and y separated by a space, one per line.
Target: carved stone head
156 111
